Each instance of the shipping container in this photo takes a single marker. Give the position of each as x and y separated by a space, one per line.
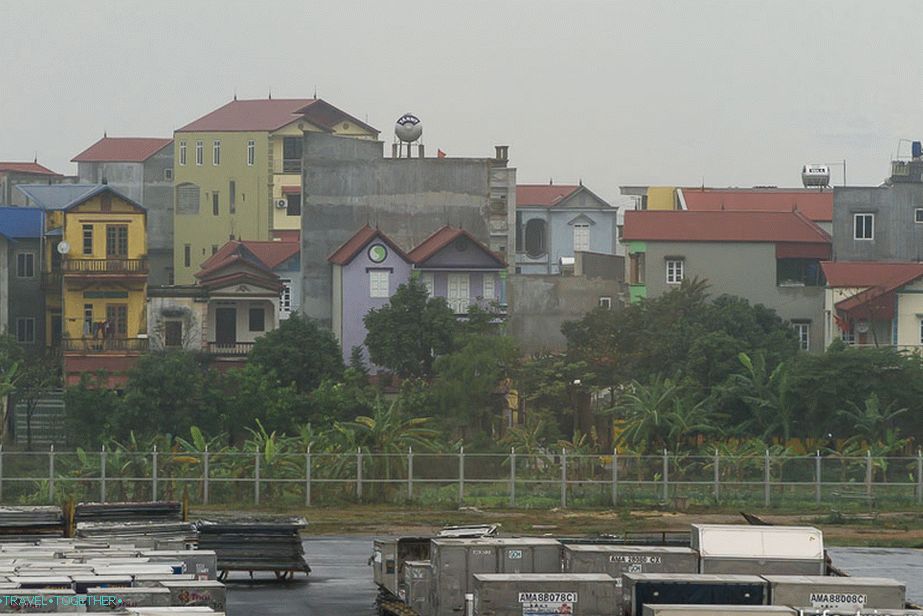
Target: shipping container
40 601
456 561
759 550
203 564
156 579
718 610
619 559
84 582
51 581
389 555
207 593
641 589
809 611
416 587
581 594
130 597
848 593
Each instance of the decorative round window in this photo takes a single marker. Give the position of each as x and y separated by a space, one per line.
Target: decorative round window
378 253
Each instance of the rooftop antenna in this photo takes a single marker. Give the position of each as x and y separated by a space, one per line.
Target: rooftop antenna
270 93
315 90
551 181
35 156
105 134
235 94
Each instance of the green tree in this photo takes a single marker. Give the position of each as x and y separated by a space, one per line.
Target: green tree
411 331
299 353
386 430
872 423
769 404
251 394
39 374
90 411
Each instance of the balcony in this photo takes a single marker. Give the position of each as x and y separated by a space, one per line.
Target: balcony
105 266
229 349
51 281
104 345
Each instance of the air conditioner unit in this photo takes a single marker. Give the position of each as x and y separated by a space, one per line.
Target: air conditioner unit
281 203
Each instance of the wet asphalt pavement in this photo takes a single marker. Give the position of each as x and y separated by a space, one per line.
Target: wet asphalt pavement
341 582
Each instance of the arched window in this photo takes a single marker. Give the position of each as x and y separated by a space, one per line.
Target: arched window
187 198
535 237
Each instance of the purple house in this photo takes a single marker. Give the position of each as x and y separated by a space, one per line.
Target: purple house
369 267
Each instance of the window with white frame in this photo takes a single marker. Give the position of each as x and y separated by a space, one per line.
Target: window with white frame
676 270
285 299
378 283
429 281
251 153
605 302
25 330
199 153
182 153
918 215
25 265
581 237
803 331
489 292
863 226
216 153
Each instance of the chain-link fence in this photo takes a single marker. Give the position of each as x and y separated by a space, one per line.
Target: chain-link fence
525 480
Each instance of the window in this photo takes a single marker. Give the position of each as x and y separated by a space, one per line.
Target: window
216 153
199 153
864 226
187 255
799 273
285 299
87 239
535 238
291 154
676 269
214 248
803 331
251 153
519 232
173 334
168 174
25 265
918 215
215 203
490 287
581 237
636 268
378 283
605 302
232 196
25 330
88 319
257 319
429 281
182 153
117 241
921 331
117 320
294 204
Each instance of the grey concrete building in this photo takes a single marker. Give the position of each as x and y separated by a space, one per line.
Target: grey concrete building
22 299
348 183
768 258
882 223
140 168
14 173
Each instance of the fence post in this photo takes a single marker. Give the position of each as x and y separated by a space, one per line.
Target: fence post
307 477
461 475
102 475
563 478
766 485
512 476
51 473
818 480
256 478
154 474
205 476
615 476
868 473
410 473
919 475
1 473
666 476
359 473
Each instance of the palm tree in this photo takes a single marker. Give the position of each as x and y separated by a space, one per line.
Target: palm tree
871 422
768 395
387 431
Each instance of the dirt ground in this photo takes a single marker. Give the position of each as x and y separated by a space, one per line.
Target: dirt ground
893 529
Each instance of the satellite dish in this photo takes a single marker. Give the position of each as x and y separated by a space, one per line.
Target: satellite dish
63 248
862 327
408 128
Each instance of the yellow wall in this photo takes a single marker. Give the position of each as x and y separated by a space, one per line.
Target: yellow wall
909 314
661 198
74 301
89 214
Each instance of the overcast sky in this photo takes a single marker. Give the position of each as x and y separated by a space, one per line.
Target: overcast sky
641 92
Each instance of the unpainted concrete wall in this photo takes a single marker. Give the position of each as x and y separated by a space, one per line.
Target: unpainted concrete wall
897 237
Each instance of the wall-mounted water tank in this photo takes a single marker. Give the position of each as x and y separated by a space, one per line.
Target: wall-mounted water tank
815 175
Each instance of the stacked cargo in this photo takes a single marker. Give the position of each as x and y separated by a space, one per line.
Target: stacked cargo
640 589
31 523
266 544
153 525
587 594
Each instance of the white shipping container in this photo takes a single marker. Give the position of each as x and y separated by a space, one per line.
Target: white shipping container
848 593
132 597
208 593
718 610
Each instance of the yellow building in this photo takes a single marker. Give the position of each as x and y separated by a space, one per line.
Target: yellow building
237 174
95 265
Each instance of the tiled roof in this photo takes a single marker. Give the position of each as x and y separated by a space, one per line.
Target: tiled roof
442 238
269 115
351 247
20 222
815 205
266 254
543 195
122 149
54 196
33 167
861 274
727 226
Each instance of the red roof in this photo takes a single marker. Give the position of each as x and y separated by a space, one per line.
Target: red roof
815 205
861 274
122 149
442 238
348 251
543 195
268 254
728 226
32 167
269 115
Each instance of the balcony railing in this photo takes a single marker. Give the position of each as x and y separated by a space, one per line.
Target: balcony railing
52 280
105 345
105 266
236 349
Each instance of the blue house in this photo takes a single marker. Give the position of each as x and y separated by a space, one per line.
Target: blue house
555 221
22 300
